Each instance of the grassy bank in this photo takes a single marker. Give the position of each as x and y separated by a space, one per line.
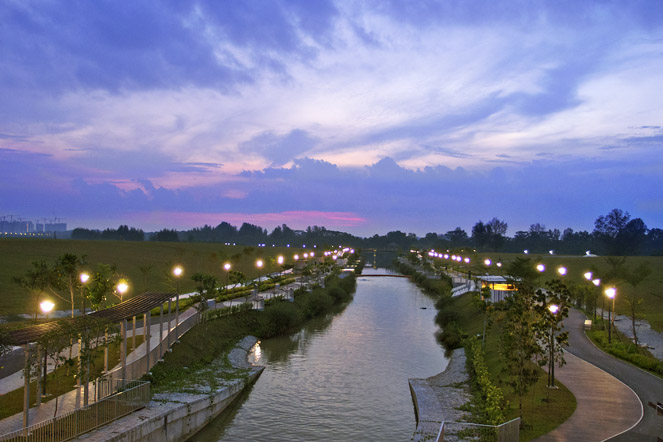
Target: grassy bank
147 265
651 308
461 319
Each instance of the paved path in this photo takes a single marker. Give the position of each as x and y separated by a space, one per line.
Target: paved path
596 392
605 407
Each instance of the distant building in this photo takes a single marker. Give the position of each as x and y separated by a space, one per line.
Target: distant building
55 227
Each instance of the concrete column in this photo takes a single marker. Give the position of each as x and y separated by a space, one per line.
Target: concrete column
133 333
26 387
177 318
169 315
160 331
39 376
123 350
78 377
106 353
146 334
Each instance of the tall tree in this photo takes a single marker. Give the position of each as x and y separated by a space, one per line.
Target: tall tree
634 277
67 271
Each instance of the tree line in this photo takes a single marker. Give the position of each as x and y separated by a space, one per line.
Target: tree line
615 233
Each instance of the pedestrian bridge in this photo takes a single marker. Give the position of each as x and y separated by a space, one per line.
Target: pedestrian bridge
383 276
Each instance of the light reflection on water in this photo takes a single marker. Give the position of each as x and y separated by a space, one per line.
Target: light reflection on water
343 377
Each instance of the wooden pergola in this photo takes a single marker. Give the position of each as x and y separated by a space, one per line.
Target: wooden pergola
138 305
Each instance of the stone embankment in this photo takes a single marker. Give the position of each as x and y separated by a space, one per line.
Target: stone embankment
177 416
438 398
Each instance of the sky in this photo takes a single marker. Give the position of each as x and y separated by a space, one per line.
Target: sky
360 116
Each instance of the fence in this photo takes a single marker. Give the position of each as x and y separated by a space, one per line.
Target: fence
69 425
460 431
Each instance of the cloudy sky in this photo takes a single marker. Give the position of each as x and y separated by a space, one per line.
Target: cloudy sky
361 116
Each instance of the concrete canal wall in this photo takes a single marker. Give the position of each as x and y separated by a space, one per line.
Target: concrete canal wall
178 416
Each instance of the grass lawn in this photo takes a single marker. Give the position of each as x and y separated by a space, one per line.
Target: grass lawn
147 265
651 308
543 409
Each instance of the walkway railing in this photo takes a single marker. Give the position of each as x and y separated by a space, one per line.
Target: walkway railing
77 422
506 432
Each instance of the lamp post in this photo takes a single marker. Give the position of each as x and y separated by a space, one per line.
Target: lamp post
46 307
84 278
610 293
541 268
122 288
553 309
280 260
259 264
227 267
177 272
561 271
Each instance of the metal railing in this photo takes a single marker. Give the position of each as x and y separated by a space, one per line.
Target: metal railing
459 431
135 396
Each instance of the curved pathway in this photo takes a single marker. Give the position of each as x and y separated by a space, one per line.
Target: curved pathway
648 387
605 407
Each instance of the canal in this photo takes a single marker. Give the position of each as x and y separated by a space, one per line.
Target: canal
342 377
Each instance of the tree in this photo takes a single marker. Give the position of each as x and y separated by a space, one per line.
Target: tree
39 279
53 343
457 237
633 236
519 342
634 277
206 288
101 285
66 273
609 229
552 307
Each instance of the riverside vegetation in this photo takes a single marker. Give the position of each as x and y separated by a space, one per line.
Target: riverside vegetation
221 330
496 394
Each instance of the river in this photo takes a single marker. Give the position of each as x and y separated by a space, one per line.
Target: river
342 377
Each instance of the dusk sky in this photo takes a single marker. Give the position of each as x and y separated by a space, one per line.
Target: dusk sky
360 116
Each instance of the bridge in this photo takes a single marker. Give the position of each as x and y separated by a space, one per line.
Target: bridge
384 276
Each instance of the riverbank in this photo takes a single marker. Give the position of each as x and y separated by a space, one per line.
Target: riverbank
178 415
440 397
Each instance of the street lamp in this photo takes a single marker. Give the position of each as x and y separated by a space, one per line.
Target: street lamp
541 268
487 262
561 270
553 309
610 293
122 288
84 278
226 267
46 306
280 260
177 273
259 264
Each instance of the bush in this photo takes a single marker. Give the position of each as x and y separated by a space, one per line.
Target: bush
338 294
279 318
315 303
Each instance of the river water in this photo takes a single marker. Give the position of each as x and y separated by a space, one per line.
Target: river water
342 377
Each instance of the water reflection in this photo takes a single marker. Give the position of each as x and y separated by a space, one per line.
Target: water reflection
342 377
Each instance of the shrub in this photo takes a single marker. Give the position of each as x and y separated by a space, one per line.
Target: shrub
279 318
315 303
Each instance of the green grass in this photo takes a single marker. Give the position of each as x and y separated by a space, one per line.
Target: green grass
17 255
651 308
622 347
543 409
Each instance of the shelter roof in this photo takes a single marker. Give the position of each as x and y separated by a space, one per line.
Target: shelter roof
125 310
